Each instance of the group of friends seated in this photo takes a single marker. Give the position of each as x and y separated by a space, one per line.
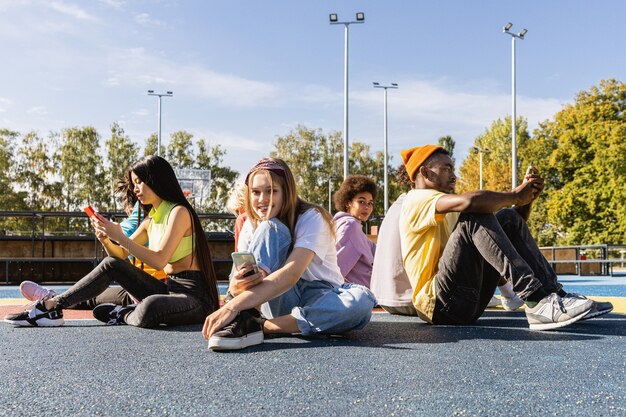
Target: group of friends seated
440 256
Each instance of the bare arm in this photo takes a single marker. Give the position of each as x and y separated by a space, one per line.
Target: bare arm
179 223
271 287
487 201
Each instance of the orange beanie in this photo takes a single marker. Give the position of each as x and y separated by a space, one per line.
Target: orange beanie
414 158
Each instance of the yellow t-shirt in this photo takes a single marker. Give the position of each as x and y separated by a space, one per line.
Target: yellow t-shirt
423 236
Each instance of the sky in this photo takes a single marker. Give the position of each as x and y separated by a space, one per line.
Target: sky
243 72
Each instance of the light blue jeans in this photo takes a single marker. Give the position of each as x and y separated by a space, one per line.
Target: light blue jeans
317 306
321 308
270 244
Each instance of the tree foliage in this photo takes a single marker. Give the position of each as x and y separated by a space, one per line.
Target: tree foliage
121 153
316 160
495 144
583 153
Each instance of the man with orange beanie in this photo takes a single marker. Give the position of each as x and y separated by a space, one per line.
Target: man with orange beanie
455 249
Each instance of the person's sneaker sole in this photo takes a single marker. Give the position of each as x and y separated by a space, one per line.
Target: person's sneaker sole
551 326
236 343
594 312
40 323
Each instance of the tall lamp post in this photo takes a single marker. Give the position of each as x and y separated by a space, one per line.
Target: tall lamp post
334 20
159 95
514 36
386 178
480 153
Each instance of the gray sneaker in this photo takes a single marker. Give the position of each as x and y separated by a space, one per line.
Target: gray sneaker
598 309
553 312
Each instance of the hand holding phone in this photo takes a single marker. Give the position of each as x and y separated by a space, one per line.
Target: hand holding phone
245 259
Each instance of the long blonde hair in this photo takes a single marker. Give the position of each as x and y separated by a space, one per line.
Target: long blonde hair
277 171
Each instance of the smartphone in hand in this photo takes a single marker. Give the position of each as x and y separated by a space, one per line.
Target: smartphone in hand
90 211
244 259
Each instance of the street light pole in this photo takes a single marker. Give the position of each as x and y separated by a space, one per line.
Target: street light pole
159 95
385 157
480 152
514 36
360 18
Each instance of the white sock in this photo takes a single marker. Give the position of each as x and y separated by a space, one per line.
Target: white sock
507 290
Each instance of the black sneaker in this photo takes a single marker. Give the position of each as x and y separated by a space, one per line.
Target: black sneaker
111 314
598 308
246 330
37 315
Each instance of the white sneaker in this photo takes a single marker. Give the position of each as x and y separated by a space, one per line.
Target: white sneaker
511 304
35 292
37 315
495 301
553 312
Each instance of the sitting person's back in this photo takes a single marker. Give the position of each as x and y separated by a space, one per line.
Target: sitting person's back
390 283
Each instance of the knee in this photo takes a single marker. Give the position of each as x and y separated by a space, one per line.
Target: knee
273 227
508 215
145 315
362 300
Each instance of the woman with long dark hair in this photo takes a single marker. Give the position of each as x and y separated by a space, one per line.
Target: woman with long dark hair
176 244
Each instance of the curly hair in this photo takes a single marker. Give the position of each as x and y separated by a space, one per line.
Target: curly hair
353 185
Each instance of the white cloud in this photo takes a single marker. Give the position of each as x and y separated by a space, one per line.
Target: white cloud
38 110
437 102
116 4
145 19
71 10
141 113
154 72
4 103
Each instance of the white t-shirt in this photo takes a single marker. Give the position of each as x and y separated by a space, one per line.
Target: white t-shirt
313 233
390 284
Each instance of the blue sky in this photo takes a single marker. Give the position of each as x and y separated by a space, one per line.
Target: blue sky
243 72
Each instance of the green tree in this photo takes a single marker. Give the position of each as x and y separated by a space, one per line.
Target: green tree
496 146
180 150
222 178
35 172
81 168
151 145
447 143
11 200
121 153
583 153
313 159
316 160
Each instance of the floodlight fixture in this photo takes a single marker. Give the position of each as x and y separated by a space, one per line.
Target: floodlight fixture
332 17
507 27
360 16
523 32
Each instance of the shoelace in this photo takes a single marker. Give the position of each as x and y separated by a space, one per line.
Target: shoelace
557 302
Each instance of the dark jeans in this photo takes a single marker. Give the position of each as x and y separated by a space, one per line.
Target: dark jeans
174 303
114 295
481 249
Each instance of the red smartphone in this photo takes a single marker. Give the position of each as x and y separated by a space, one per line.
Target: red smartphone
89 210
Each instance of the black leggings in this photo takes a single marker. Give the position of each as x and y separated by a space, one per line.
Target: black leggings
158 304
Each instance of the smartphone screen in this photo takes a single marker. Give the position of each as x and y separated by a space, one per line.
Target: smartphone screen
244 259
